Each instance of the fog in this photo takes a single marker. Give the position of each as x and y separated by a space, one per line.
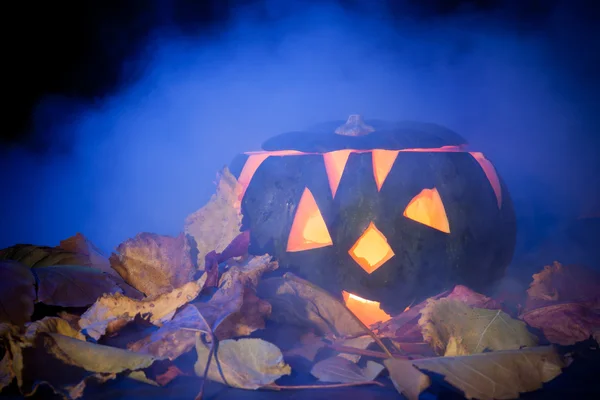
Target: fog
145 157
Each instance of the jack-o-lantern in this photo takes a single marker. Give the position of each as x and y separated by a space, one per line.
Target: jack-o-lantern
383 212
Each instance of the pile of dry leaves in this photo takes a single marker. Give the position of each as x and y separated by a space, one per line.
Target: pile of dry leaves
162 307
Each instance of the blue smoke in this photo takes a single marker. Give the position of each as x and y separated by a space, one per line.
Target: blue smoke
145 157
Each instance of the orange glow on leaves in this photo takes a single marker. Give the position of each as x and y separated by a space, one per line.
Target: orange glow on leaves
367 311
309 230
383 160
428 209
490 173
335 162
371 250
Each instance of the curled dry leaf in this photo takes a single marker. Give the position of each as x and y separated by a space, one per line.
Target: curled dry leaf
155 264
17 292
453 328
299 302
234 309
243 363
339 369
109 308
51 325
310 345
361 343
564 303
492 375
216 224
72 285
175 337
558 283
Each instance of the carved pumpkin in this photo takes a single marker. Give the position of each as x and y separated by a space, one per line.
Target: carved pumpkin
387 213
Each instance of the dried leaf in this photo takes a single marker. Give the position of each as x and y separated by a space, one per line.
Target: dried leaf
243 363
565 323
161 308
217 224
558 283
405 327
339 369
51 325
407 379
564 303
72 285
298 302
234 309
42 256
17 292
495 375
453 328
361 342
6 371
79 244
64 363
95 258
172 339
155 264
310 345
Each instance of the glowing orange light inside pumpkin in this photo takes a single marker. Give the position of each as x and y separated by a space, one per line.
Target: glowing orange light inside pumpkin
428 209
371 250
367 311
383 160
335 162
490 173
309 230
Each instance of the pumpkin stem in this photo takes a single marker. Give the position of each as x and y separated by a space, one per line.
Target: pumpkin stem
355 126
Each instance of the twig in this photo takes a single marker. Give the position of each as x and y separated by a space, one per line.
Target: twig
368 353
274 386
211 351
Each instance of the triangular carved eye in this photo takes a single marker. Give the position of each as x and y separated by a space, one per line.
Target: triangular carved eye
427 208
309 230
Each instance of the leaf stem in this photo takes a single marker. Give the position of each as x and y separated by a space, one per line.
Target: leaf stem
368 353
275 386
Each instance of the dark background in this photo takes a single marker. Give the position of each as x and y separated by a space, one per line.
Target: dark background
119 113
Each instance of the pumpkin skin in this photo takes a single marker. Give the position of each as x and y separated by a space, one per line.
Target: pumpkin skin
475 251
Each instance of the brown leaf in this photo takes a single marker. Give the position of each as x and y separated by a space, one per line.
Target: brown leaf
558 283
453 328
361 343
564 323
495 375
17 292
234 309
172 339
564 303
298 302
108 308
243 363
72 285
155 264
342 370
407 379
216 225
51 325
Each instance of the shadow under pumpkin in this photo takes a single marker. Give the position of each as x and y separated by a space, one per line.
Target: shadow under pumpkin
391 226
